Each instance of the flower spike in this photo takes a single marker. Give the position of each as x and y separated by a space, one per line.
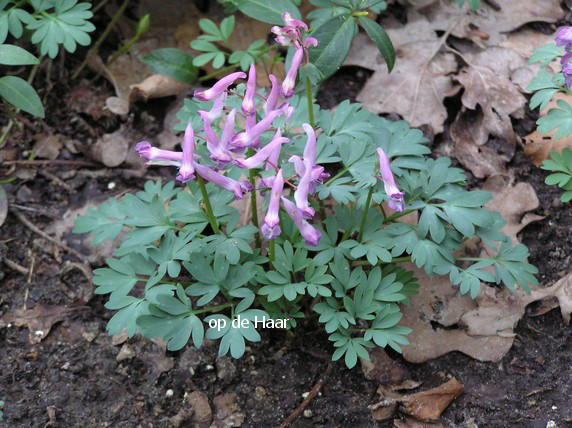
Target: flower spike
219 87
393 193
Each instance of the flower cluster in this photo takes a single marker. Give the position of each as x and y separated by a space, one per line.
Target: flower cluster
253 120
564 38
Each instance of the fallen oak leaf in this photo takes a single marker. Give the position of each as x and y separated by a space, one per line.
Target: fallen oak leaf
39 319
429 405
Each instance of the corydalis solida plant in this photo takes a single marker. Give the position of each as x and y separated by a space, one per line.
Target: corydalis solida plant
334 187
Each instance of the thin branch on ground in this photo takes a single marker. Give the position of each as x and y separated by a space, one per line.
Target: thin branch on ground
300 409
16 267
22 218
42 163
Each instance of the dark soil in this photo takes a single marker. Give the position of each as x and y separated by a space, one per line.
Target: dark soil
77 377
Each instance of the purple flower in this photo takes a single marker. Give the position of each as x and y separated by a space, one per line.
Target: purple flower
248 105
239 188
291 22
264 153
310 41
311 235
287 89
218 150
157 156
216 110
394 194
219 87
273 96
248 137
564 36
271 227
187 171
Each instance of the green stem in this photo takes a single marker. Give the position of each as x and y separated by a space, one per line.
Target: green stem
470 259
394 260
97 45
310 102
253 202
208 206
213 308
271 250
364 218
396 216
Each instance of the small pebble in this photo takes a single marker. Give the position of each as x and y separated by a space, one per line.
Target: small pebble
305 394
554 408
169 393
209 367
551 424
111 185
66 366
307 413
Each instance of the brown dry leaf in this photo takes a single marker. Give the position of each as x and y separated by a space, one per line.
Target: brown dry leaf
227 411
383 369
428 405
513 202
156 86
49 147
489 100
562 290
487 26
196 409
39 320
425 405
420 81
538 145
110 149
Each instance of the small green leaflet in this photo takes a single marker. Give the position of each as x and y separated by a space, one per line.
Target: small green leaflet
545 86
351 347
21 95
561 164
381 39
14 55
559 119
173 63
546 54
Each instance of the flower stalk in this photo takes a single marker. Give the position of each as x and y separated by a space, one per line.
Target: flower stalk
208 207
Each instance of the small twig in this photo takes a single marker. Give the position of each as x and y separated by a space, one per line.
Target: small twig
47 237
57 180
294 415
41 163
494 4
15 266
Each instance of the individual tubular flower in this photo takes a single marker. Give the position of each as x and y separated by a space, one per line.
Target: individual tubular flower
310 235
239 188
248 104
273 96
264 153
394 194
271 227
564 37
287 88
291 22
157 156
248 137
218 150
187 170
219 87
305 169
216 110
310 41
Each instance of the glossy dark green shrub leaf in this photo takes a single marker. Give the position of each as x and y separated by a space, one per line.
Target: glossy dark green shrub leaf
173 63
20 94
335 38
381 39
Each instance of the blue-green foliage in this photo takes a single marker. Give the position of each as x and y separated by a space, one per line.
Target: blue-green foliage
171 275
52 23
545 86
